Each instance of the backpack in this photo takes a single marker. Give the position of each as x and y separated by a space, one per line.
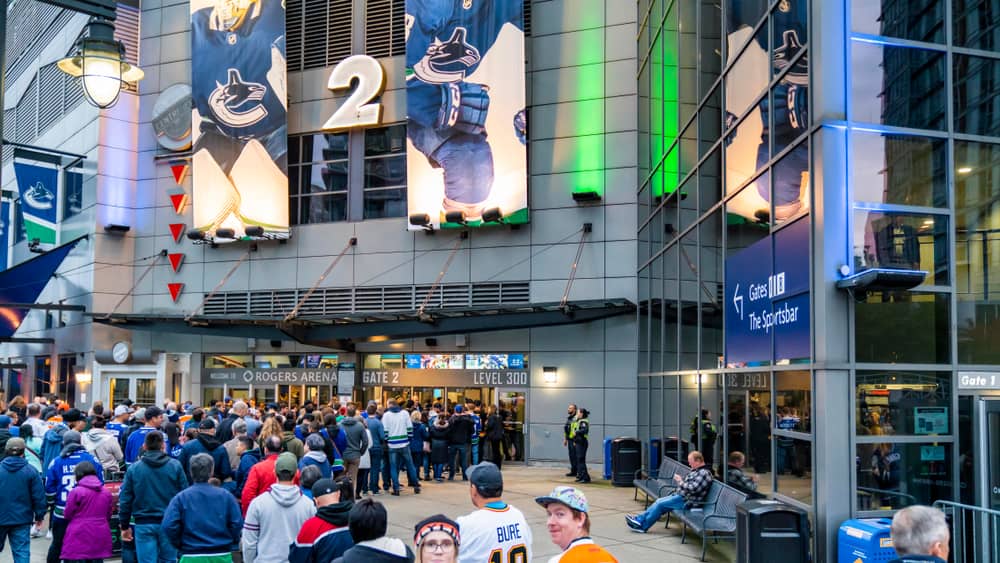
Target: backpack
52 445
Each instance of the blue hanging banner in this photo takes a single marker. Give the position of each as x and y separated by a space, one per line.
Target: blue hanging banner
38 187
24 283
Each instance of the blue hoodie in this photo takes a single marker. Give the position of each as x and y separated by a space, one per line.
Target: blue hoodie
60 478
378 433
149 485
24 497
52 444
193 530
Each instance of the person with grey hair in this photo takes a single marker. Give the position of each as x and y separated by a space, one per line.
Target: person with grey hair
315 455
194 531
920 534
239 429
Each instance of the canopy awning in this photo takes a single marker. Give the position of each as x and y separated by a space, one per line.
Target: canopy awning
342 332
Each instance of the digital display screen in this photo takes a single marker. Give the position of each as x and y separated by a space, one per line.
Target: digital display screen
433 361
494 361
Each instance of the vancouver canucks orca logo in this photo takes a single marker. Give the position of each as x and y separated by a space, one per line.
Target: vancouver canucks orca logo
238 103
39 197
449 61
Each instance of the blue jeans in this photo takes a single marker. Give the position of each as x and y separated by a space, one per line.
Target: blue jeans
376 469
398 457
438 470
152 545
20 541
475 453
658 509
460 451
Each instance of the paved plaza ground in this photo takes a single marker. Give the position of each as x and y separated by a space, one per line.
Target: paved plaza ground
522 484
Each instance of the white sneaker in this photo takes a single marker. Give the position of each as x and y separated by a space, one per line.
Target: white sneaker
36 531
48 535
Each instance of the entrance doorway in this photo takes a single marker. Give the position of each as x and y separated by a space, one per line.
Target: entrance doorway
988 442
140 387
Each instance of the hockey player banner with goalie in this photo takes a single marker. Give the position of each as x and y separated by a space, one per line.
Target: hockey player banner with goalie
239 125
465 105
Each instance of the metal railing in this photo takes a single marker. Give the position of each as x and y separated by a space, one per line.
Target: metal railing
974 532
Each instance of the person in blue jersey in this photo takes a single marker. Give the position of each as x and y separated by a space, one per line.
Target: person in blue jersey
133 446
59 481
446 114
119 423
239 94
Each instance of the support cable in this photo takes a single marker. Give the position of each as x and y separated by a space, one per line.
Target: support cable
145 272
219 285
444 270
587 228
295 311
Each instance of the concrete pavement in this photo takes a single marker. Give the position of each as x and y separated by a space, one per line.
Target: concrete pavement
522 484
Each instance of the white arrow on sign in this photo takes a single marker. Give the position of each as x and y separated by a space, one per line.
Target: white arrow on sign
738 301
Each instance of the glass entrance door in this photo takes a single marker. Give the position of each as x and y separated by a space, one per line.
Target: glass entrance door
513 411
990 427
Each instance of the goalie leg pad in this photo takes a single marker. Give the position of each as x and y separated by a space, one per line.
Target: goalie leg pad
467 161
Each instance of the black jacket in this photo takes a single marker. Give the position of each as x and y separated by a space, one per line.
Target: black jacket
382 550
494 427
323 537
225 431
462 428
439 442
568 425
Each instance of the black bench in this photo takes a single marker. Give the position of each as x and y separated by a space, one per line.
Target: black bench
661 484
715 517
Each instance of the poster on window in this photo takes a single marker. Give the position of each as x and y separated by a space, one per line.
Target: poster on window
239 126
466 121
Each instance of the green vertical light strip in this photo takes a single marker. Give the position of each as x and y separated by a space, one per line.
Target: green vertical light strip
588 117
671 102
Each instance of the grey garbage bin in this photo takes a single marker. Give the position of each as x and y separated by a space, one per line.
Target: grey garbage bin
626 459
768 530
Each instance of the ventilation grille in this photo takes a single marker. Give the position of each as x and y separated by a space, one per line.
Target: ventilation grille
31 26
385 28
9 125
527 18
50 96
25 125
318 32
348 300
127 31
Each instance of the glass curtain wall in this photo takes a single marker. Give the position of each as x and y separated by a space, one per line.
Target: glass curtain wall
724 163
923 136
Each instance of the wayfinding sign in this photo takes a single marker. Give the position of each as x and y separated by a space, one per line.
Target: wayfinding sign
767 299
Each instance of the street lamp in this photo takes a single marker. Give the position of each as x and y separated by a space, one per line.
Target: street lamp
99 59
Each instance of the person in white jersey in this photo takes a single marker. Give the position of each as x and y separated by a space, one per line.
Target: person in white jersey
495 532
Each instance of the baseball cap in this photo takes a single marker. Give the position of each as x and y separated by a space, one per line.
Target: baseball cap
14 446
324 487
122 409
206 424
72 415
459 408
570 496
4 421
486 475
286 465
71 437
140 414
436 523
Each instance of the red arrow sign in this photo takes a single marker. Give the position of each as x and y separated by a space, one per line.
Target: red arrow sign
180 171
175 290
177 229
178 199
176 260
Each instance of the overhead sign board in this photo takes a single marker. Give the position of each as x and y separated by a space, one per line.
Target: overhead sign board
767 299
282 376
445 378
979 380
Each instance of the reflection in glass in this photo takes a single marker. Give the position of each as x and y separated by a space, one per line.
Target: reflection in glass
741 18
974 24
892 476
748 428
793 472
752 204
791 184
709 37
747 79
793 401
746 149
900 169
899 86
919 20
789 37
977 245
903 403
324 208
976 87
903 326
902 241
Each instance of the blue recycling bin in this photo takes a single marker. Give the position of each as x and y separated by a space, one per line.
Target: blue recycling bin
654 455
865 540
607 458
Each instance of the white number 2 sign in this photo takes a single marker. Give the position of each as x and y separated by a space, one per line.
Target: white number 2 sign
358 110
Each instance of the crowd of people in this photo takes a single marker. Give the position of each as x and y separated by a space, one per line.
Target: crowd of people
272 484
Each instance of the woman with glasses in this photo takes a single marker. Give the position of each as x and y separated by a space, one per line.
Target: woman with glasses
436 539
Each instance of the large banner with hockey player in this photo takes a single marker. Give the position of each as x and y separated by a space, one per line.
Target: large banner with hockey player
239 126
465 106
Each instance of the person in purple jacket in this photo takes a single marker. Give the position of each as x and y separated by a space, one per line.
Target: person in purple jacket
88 513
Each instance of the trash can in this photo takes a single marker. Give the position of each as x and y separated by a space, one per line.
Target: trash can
769 530
607 458
865 540
670 448
654 455
626 459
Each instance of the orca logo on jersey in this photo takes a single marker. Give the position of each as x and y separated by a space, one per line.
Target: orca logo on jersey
449 61
238 103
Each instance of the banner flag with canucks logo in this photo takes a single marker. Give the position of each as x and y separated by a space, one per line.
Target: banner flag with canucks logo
39 191
239 123
466 122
